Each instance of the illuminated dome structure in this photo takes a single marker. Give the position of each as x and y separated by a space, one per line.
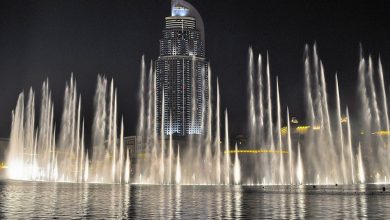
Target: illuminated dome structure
181 8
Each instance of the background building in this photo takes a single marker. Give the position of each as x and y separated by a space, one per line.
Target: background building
182 72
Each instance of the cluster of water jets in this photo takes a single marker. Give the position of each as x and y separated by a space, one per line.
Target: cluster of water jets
36 154
324 150
327 149
203 157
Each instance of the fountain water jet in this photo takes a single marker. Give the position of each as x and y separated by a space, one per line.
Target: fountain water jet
362 178
340 130
279 127
290 155
217 142
237 168
227 155
65 160
178 167
34 146
299 167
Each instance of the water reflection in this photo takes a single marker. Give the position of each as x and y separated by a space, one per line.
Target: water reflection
301 207
25 200
228 203
178 201
363 207
85 200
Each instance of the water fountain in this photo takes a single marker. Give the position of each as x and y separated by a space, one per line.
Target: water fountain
66 159
327 142
330 148
178 167
237 168
207 163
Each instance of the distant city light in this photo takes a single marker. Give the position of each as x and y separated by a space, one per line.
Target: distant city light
382 133
302 129
316 127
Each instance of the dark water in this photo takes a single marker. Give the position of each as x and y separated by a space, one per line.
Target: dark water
26 200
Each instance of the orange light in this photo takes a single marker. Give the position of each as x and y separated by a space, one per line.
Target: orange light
302 129
382 133
316 127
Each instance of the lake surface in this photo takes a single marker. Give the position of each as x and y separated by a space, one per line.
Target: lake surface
26 200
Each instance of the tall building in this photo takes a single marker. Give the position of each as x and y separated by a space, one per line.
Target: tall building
182 72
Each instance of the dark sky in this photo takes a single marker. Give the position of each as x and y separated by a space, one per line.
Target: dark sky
40 39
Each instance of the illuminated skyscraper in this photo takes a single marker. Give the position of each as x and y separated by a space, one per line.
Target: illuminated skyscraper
182 72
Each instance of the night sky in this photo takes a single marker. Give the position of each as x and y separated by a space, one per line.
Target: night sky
51 39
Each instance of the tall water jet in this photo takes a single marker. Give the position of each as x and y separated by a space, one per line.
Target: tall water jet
15 159
154 131
308 93
270 136
384 111
383 94
30 139
319 128
207 154
374 119
114 139
352 167
70 161
150 138
193 129
106 160
35 151
279 127
362 177
217 142
45 147
290 152
162 141
324 96
79 151
86 169
340 131
147 135
82 156
170 149
69 133
237 168
141 100
178 167
251 104
127 167
260 114
373 96
121 153
144 132
99 124
299 166
227 153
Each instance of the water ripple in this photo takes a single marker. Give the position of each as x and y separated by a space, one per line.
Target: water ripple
26 200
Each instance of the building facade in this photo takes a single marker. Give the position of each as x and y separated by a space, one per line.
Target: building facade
182 73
